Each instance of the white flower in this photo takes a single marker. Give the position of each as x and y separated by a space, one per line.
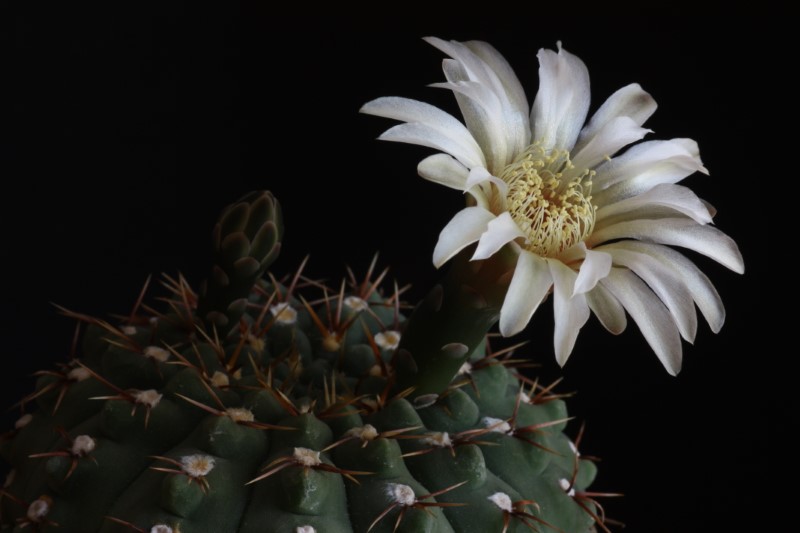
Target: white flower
592 229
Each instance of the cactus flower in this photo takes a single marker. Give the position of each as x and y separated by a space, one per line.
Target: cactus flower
587 221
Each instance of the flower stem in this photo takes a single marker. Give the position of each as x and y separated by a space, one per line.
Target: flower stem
449 324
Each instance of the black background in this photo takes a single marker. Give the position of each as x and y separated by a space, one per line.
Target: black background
126 132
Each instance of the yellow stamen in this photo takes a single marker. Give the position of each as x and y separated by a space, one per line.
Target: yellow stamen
549 201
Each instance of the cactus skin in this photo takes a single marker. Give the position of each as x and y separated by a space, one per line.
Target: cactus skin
437 344
301 412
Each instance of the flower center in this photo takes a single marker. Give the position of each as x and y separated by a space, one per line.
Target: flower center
549 200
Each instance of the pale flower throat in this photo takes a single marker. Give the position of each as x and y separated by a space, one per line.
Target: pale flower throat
555 212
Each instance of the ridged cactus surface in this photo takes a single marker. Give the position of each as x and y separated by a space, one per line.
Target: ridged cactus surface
259 404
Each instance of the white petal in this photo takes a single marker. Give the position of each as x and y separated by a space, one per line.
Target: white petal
686 233
480 175
650 315
712 211
675 197
501 130
479 93
484 64
702 290
607 309
570 312
408 110
463 229
562 101
504 72
664 283
630 101
492 115
596 265
573 254
683 153
691 147
482 114
484 197
428 126
528 288
515 109
475 67
611 138
644 166
423 135
444 170
499 232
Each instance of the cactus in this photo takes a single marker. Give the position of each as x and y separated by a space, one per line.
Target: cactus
288 405
258 404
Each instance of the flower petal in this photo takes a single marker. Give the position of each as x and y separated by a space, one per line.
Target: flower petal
479 93
423 135
630 101
607 309
499 232
474 67
644 166
596 265
427 125
662 280
702 290
675 197
562 101
506 75
488 94
611 138
683 153
686 233
528 288
482 112
515 104
444 170
571 312
480 175
463 229
650 315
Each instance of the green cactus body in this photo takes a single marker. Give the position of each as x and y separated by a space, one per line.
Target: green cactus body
264 406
